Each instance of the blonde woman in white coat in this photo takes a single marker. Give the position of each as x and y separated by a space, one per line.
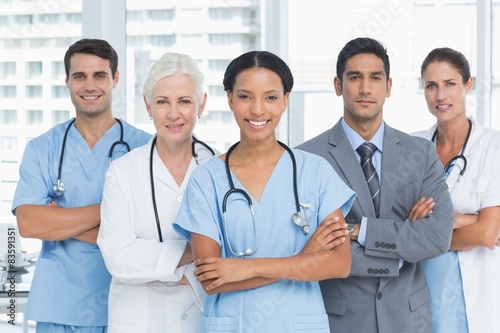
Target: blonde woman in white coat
153 287
465 282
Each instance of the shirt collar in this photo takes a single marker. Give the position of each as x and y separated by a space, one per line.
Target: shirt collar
356 140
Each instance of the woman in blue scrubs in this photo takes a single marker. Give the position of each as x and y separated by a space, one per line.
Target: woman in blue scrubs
260 250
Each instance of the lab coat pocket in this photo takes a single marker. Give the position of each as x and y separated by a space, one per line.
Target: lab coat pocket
311 323
219 324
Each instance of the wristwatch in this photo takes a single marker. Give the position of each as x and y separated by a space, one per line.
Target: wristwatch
351 227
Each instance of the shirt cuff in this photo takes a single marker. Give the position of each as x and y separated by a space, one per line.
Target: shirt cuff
362 232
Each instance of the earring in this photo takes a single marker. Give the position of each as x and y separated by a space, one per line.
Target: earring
150 117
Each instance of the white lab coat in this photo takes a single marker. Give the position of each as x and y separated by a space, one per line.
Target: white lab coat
478 188
145 295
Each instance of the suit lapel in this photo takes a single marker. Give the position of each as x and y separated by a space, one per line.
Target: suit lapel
350 171
393 160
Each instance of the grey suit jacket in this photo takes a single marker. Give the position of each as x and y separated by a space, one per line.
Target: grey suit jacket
378 296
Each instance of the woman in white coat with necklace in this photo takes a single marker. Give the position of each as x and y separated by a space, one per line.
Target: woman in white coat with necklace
153 288
465 282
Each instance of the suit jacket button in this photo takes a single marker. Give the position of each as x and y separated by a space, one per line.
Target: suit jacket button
377 244
375 271
370 271
393 246
379 296
386 271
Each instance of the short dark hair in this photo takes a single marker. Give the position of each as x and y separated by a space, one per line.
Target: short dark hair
451 56
359 46
258 59
98 47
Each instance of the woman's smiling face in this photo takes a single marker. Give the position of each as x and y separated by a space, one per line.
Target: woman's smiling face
258 101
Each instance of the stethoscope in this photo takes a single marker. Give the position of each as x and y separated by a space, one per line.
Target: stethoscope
59 187
151 176
297 217
461 156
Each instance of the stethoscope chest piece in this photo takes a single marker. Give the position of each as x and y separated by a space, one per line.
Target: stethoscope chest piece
300 220
58 188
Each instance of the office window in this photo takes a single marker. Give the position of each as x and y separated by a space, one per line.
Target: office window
223 39
221 116
8 92
165 40
10 174
58 71
191 38
33 69
34 91
34 117
75 18
48 18
60 92
216 91
10 168
8 143
250 17
7 70
218 65
8 117
135 16
24 19
161 15
59 116
221 13
9 187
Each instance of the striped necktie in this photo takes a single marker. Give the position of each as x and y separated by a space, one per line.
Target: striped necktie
366 151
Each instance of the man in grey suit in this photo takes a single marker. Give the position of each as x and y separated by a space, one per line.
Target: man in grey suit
403 213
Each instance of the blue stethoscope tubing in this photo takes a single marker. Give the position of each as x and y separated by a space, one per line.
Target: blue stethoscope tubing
151 176
297 217
59 187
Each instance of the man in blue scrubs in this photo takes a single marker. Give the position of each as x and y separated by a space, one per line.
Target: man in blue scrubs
59 193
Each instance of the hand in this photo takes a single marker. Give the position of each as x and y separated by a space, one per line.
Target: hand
222 270
461 220
329 234
422 208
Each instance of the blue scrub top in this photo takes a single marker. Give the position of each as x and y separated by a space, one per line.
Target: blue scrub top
284 306
71 283
444 279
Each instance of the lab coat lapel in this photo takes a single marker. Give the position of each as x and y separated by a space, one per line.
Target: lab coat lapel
161 173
